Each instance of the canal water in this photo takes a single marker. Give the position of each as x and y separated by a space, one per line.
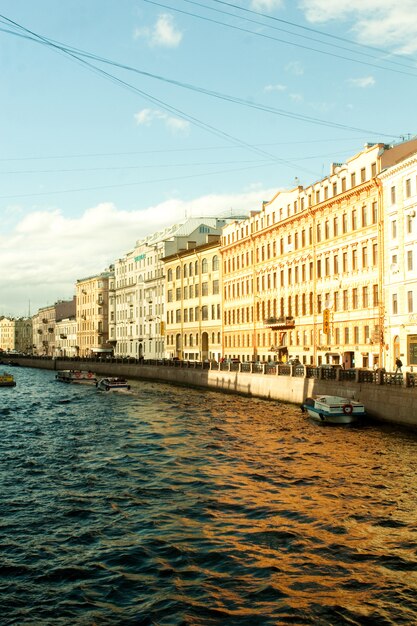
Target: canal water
174 507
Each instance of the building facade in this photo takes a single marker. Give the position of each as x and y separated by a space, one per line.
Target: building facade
193 303
303 277
92 314
400 261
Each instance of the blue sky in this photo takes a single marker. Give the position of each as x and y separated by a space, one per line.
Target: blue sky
94 156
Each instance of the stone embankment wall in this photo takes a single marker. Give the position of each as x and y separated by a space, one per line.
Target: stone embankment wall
387 403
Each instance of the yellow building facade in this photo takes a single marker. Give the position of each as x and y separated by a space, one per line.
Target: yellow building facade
92 314
303 277
193 303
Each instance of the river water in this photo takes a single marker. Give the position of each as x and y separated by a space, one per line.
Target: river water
175 507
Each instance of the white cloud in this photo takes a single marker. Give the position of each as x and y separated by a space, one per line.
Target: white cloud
296 97
266 5
163 33
277 87
294 67
381 23
145 117
365 81
47 251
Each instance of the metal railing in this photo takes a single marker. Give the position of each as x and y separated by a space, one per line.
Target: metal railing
378 377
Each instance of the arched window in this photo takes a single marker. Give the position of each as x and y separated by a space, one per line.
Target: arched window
178 272
185 270
196 268
190 267
169 275
215 263
204 266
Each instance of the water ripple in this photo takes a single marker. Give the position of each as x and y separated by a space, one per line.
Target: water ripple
157 509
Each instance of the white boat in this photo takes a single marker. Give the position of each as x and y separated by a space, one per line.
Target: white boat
333 409
76 376
113 384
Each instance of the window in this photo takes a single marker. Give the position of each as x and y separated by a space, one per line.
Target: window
216 287
355 301
204 289
409 222
326 230
169 276
409 260
178 293
365 297
393 195
363 175
366 334
365 257
354 220
343 184
345 262
335 264
344 223
336 300
178 316
355 259
327 266
408 188
318 268
364 216
375 295
374 212
178 272
319 303
394 304
353 180
410 301
346 334
335 227
374 254
394 229
356 334
345 300
373 170
204 313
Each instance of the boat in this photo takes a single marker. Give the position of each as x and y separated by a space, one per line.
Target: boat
113 384
76 376
7 380
333 409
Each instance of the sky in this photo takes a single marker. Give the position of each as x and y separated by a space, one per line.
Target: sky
121 118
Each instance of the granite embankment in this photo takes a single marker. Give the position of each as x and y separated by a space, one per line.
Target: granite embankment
386 397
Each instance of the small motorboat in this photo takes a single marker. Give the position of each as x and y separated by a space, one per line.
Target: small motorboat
113 384
7 380
333 409
76 376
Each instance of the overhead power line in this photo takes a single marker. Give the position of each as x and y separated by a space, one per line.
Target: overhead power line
316 31
270 37
214 94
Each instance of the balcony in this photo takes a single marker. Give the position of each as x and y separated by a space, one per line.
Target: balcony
278 323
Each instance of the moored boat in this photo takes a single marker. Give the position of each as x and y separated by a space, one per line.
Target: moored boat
76 376
333 409
113 384
7 380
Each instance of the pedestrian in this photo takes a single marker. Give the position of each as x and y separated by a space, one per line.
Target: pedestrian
398 364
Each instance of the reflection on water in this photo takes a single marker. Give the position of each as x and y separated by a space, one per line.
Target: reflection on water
187 507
